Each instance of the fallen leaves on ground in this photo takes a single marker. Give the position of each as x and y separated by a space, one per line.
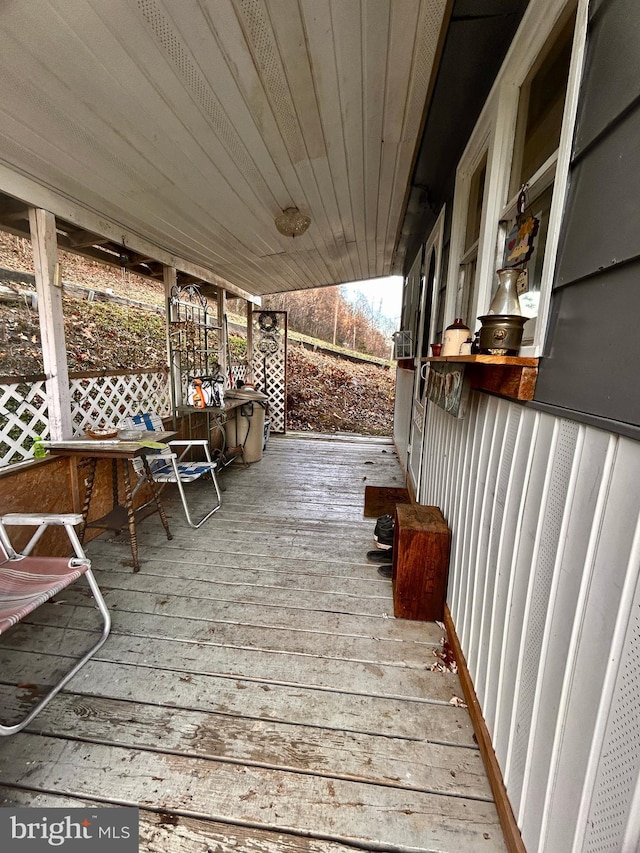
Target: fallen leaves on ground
446 659
329 394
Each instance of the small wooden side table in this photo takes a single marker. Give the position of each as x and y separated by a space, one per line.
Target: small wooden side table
421 544
121 453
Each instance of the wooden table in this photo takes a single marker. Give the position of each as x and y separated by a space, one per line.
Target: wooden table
120 452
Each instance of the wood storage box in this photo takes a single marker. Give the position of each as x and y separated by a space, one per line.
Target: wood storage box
421 543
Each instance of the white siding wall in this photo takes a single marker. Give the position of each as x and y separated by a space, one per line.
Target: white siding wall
545 595
402 413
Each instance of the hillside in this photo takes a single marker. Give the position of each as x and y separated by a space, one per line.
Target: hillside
325 393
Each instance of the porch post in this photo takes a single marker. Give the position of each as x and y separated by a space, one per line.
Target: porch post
224 343
170 279
249 340
49 291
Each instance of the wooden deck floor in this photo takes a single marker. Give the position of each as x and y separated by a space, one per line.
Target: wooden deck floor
256 693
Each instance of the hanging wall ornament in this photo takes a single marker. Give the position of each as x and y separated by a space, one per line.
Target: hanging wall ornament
268 321
521 238
268 344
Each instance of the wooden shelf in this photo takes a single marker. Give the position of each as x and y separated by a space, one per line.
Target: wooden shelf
506 375
513 360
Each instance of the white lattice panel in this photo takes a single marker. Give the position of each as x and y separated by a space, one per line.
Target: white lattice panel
239 370
270 363
94 400
109 399
23 417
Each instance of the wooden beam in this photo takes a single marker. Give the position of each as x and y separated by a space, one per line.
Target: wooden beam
21 187
81 239
54 352
224 344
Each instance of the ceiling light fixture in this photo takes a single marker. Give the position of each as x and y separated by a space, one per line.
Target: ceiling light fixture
292 223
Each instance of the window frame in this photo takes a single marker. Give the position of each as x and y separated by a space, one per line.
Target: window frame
495 134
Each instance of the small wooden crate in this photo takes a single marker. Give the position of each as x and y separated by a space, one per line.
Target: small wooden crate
380 500
421 545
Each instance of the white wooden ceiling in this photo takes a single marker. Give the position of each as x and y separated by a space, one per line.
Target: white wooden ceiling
188 125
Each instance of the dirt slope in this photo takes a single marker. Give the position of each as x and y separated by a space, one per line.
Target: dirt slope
328 394
324 393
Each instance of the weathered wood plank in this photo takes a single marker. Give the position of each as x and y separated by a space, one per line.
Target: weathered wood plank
199 629
230 567
294 802
285 546
258 592
193 562
251 699
202 630
287 543
271 667
127 597
172 833
416 765
253 680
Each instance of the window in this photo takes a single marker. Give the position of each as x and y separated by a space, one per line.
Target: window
535 156
469 262
522 139
410 320
466 239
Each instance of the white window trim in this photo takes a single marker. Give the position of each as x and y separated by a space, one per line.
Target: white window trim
435 242
495 134
478 146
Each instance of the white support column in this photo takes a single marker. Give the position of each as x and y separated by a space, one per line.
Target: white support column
54 353
224 344
170 279
250 307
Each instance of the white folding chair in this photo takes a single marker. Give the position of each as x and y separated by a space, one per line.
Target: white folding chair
167 467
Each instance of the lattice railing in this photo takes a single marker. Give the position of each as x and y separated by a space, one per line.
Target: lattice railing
269 365
23 417
239 370
103 398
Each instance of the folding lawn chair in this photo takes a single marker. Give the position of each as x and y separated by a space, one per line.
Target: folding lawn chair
26 582
168 467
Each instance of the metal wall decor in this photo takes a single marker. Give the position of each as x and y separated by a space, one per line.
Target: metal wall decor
270 363
446 387
194 340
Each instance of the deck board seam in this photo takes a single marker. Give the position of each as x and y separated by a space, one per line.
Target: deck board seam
246 762
270 682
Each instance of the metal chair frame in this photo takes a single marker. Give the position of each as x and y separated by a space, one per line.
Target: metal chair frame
167 467
19 570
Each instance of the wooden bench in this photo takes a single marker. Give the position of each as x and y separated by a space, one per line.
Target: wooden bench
26 582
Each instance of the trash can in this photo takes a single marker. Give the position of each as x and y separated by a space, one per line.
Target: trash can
244 426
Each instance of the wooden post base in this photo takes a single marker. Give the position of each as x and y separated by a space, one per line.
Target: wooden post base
421 544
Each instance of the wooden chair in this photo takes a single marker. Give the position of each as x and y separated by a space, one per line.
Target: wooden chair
26 582
168 467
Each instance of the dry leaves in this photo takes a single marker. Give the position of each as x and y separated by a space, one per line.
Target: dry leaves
329 394
446 660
